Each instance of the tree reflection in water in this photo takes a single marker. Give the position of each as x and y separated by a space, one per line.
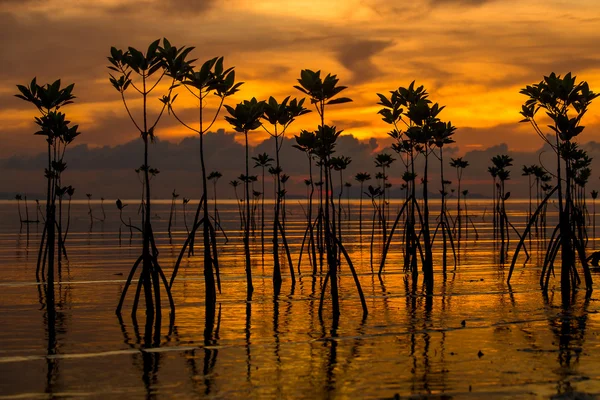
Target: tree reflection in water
568 326
56 311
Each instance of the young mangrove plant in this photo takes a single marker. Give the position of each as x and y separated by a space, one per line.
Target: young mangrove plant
245 117
347 186
56 129
529 171
70 193
210 79
18 197
284 179
306 143
139 71
500 164
361 178
38 210
383 161
172 211
443 137
340 164
90 211
184 202
121 206
321 93
459 164
468 218
214 177
256 196
415 125
234 184
280 116
580 164
565 102
374 193
262 161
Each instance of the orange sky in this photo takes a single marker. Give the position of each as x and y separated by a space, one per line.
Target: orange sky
472 55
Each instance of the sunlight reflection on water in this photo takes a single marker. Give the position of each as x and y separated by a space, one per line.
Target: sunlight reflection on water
475 336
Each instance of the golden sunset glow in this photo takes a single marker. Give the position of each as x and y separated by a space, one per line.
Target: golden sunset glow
473 56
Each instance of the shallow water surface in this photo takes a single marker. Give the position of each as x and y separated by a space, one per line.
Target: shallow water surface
475 337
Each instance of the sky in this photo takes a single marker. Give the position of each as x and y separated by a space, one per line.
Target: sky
472 56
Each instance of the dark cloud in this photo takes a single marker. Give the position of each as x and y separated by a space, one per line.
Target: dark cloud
109 171
112 166
356 55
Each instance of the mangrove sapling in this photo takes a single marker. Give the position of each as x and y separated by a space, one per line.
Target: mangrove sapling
361 178
440 138
468 218
120 206
18 197
174 196
459 164
284 179
38 210
56 129
565 103
322 93
528 171
374 194
581 172
252 179
307 183
537 172
90 211
210 78
493 171
340 164
235 183
214 177
381 182
70 193
500 164
263 161
280 116
383 161
580 165
326 138
140 175
274 172
138 71
306 142
37 215
392 113
412 107
256 196
60 193
347 186
184 203
245 117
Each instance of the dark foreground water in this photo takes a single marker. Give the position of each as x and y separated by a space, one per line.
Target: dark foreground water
476 337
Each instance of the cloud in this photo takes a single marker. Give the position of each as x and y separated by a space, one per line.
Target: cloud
357 56
471 55
109 171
